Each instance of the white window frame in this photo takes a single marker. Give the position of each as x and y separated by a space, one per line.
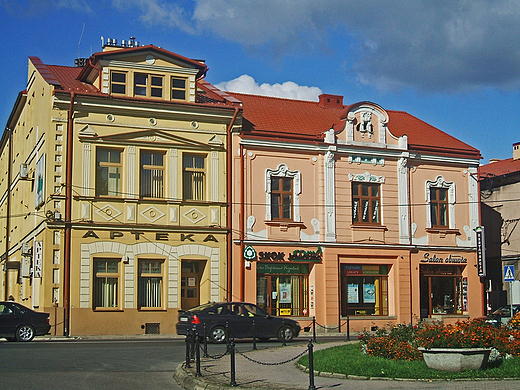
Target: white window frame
283 171
440 182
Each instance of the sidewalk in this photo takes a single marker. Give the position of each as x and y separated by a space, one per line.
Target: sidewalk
215 374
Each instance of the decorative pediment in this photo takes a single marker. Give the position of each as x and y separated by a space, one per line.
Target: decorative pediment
216 140
87 132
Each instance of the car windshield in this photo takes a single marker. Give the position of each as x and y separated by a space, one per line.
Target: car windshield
505 311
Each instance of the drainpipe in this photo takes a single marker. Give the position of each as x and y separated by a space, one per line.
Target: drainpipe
68 219
229 215
8 212
242 224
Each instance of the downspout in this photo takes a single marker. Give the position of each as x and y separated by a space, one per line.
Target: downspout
242 224
8 212
229 215
68 219
409 173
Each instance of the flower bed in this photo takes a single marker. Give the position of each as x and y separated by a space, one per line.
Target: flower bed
402 342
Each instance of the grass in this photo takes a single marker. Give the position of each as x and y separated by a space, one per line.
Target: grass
349 360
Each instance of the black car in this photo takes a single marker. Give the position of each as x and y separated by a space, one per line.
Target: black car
19 323
239 317
501 315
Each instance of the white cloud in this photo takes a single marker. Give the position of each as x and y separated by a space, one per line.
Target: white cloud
247 84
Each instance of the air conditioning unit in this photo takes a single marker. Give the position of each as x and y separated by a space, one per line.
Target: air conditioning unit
26 249
24 171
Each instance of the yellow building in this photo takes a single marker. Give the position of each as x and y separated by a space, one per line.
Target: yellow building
114 205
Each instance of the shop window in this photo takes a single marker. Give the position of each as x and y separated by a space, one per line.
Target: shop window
150 282
178 88
366 203
118 83
443 290
364 290
281 198
106 283
283 289
108 172
148 85
283 194
152 175
440 198
439 207
193 177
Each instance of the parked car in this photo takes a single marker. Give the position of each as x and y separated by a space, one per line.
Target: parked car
239 316
19 323
501 315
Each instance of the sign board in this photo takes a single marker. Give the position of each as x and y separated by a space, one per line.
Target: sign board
509 273
481 251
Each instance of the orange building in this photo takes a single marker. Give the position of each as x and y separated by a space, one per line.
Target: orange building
352 212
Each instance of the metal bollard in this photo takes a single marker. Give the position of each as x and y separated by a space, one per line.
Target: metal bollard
197 354
311 367
205 342
187 363
227 336
233 368
314 328
192 344
348 328
283 332
254 336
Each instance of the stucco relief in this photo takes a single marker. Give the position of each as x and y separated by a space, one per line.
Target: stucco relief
366 177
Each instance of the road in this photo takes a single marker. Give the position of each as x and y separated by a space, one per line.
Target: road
100 364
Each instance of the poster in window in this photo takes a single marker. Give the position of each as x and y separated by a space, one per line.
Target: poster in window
191 282
352 293
39 175
369 293
285 292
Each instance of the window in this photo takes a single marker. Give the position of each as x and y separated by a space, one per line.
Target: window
178 88
148 85
364 289
281 197
193 177
439 207
365 203
106 281
150 283
152 175
108 172
118 83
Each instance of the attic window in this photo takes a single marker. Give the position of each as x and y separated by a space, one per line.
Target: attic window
148 85
118 83
178 88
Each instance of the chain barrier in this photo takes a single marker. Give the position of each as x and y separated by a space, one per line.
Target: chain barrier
215 357
272 364
331 327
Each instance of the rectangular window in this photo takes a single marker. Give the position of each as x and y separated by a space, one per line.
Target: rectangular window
152 175
364 289
281 198
178 88
193 177
439 207
108 172
365 203
150 283
118 83
106 282
148 85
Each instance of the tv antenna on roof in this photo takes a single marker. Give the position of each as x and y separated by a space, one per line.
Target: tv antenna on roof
81 36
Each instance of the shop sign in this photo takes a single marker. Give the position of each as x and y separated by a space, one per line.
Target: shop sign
276 256
278 268
451 259
159 236
38 258
301 255
249 253
357 269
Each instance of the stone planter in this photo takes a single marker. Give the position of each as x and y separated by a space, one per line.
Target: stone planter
455 359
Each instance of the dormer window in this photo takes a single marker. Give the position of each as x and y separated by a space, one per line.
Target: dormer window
118 83
178 88
148 85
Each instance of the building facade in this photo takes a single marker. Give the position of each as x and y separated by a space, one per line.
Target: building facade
353 213
115 192
500 186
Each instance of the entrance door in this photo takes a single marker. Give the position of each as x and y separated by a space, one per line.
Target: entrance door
441 291
191 274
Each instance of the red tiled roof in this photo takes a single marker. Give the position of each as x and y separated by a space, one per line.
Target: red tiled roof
270 115
500 168
67 78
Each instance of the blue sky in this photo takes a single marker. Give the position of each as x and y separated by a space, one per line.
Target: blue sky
454 64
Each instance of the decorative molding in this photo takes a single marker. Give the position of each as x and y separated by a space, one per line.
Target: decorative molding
283 171
214 176
86 168
131 172
402 195
330 199
440 182
366 177
172 173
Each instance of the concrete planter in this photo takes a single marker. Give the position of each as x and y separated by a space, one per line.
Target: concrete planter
455 359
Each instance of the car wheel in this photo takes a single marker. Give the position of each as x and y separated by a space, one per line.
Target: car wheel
218 334
25 333
285 333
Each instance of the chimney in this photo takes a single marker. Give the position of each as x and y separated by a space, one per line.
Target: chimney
330 101
516 151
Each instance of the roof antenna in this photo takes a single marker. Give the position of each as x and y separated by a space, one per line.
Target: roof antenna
81 36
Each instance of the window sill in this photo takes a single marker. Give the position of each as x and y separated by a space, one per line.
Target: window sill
370 316
108 309
151 309
285 223
368 226
440 230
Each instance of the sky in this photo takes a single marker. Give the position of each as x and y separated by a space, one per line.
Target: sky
454 64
